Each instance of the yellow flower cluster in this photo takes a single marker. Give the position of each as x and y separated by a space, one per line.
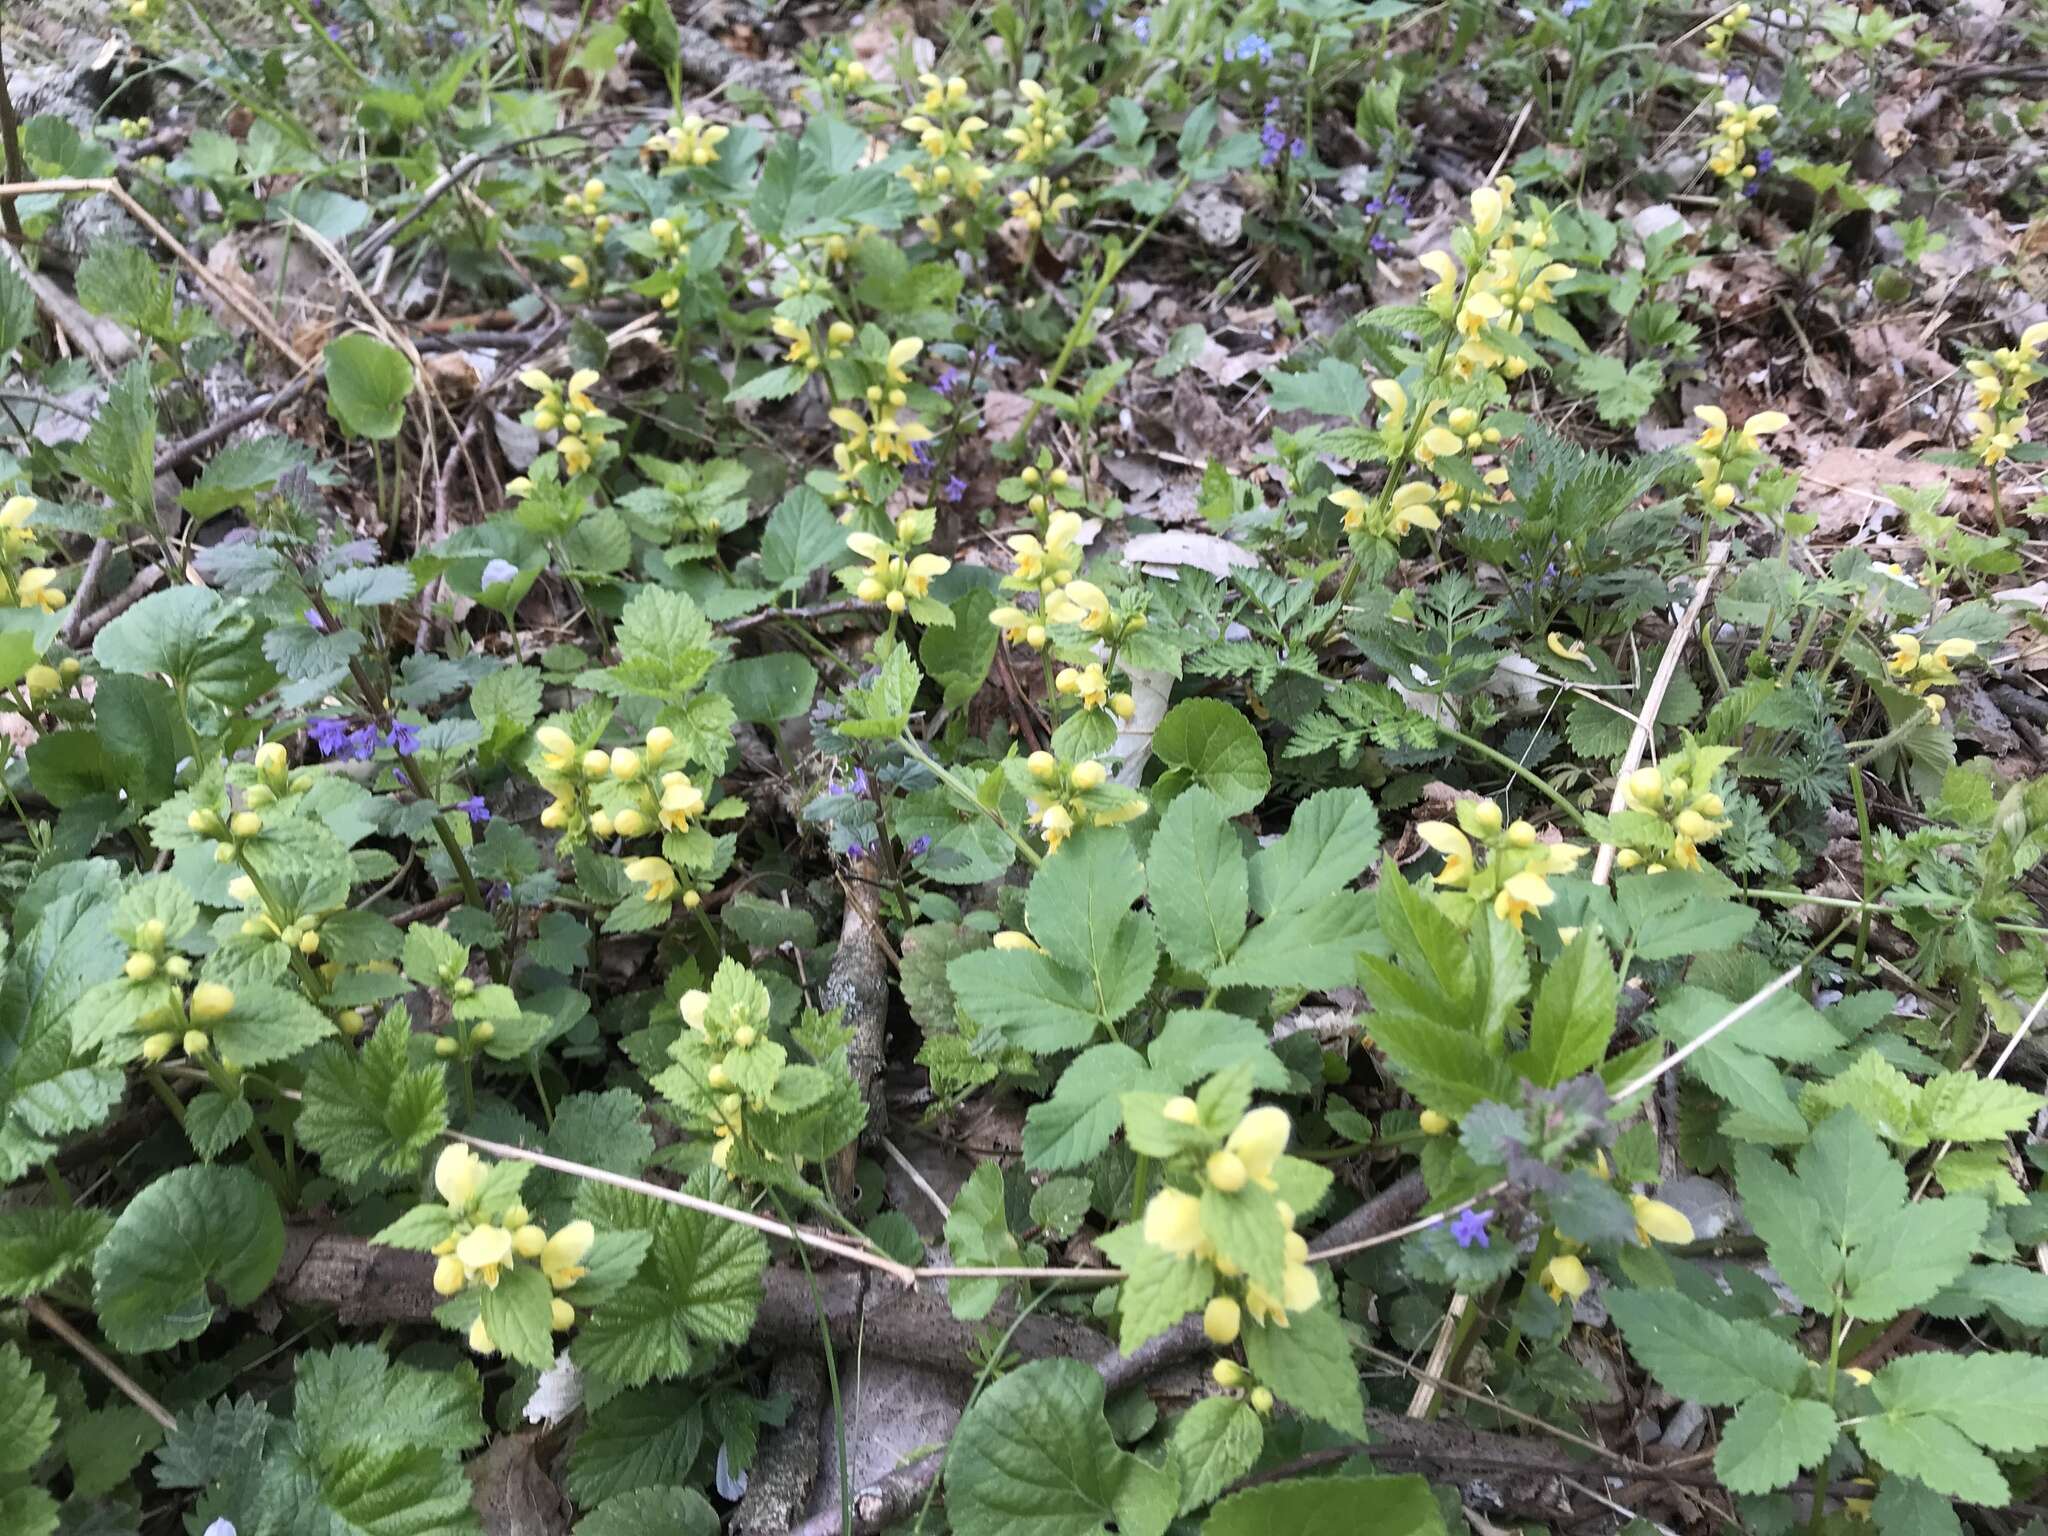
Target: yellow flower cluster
1173 1222
2002 382
1675 791
803 350
879 437
1068 797
1515 876
723 1031
621 793
945 123
569 408
1038 204
1565 1278
487 1245
181 1022
32 588
1737 136
1919 670
688 142
587 203
1511 283
42 679
1050 567
1090 685
1722 30
1043 126
893 575
1725 459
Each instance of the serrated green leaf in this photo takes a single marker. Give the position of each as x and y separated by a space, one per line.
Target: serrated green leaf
40 1244
1771 1439
1212 1445
1159 1288
1701 1355
1386 1506
651 1512
1208 744
1198 883
1573 1016
370 1108
699 1284
1308 1364
28 1413
1074 1125
645 1438
1027 999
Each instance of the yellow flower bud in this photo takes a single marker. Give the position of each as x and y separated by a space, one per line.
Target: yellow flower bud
449 1275
480 1338
484 1033
1227 1374
1181 1110
445 1048
596 763
42 681
561 1316
1090 775
309 942
210 1001
1226 1171
1043 765
1262 1401
158 1046
351 1022
196 1042
140 966
1434 1122
660 742
625 763
1221 1320
245 825
745 1036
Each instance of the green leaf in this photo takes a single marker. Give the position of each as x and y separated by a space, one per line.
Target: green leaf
1385 1506
1675 913
1939 1455
1308 1364
699 1284
1212 1445
1027 999
61 953
978 1233
1334 388
1306 947
882 709
1330 841
1075 1124
765 689
367 382
1907 1507
240 473
356 1489
370 1109
205 647
957 656
118 456
1198 882
1206 743
516 1314
214 1122
1573 1018
1033 1456
1998 1400
1159 1288
1079 909
1698 1354
355 1395
641 1439
1197 1042
267 1024
666 646
1621 392
800 536
28 1413
192 1229
651 1511
1771 1439
40 1244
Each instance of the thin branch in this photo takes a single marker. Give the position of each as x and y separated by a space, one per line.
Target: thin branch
122 1382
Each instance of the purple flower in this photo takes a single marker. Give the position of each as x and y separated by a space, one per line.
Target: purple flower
954 489
922 453
403 739
1400 201
313 618
860 781
1374 208
919 846
1272 106
856 851
947 381
1469 1227
474 807
1382 246
328 735
1765 159
1749 188
1252 46
334 31
1297 149
1141 29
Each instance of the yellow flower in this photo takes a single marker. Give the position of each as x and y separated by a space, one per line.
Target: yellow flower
1522 894
34 590
1655 1219
480 1338
654 874
1173 1223
459 1175
917 579
449 1275
579 272
1565 1276
1434 1122
558 752
1453 845
1573 651
1221 1321
1487 208
1260 1138
1019 627
561 1260
901 356
1079 602
680 800
1391 395
484 1250
1410 508
1439 266
1056 822
1717 426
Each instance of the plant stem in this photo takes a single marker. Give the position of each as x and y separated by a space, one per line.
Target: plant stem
1534 781
967 796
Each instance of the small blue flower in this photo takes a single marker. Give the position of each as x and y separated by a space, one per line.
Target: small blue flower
474 807
1765 159
860 781
497 572
954 489
313 619
919 846
403 739
1141 29
328 735
947 381
856 851
1469 1227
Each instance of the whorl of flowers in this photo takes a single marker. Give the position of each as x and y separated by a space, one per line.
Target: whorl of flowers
1919 669
898 573
1064 796
569 409
1727 457
492 1234
1687 812
1513 879
1736 151
689 142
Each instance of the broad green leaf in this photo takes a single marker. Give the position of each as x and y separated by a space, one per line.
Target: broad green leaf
61 953
240 473
646 1438
800 536
118 456
1212 1445
370 1108
28 1413
765 689
1998 1400
1675 913
267 1024
1033 1456
651 1511
1305 947
1159 1288
1074 1125
1698 1354
1206 743
1309 1365
193 1230
1330 841
1906 1506
357 1489
207 649
957 656
1195 873
441 1408
1573 1017
1332 388
882 709
699 1284
978 1233
367 382
516 1314
1935 1452
1079 909
40 1244
1385 1506
1771 1439
665 646
1197 1042
1912 1255
1026 998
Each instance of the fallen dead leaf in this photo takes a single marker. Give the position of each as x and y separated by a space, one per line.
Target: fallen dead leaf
1183 546
1851 481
